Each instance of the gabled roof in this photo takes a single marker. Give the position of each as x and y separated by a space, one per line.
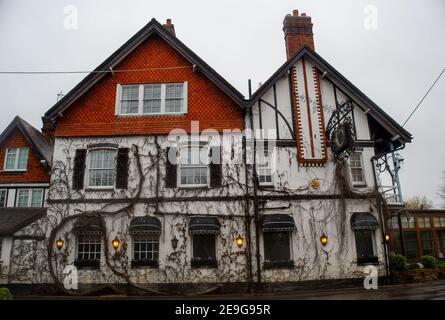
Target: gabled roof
14 219
36 140
340 81
153 27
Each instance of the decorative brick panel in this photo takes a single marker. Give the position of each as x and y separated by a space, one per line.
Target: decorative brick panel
35 173
93 114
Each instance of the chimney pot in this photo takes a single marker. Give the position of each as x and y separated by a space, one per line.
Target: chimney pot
297 33
169 26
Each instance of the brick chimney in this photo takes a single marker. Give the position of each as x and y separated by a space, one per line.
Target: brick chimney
169 26
297 32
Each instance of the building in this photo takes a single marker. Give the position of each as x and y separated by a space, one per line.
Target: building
25 158
418 232
163 174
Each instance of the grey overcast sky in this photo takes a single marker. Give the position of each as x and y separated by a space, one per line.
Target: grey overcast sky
394 64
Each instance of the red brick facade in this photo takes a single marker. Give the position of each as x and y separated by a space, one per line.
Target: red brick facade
93 114
35 173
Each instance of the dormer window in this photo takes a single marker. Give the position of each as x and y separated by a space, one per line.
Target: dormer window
151 99
16 159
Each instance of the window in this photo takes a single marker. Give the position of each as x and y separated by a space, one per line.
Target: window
88 247
145 250
264 168
396 243
29 198
174 98
364 244
102 167
441 243
204 250
356 164
427 243
16 159
411 245
423 222
439 222
277 249
130 100
408 223
193 166
3 198
393 223
152 99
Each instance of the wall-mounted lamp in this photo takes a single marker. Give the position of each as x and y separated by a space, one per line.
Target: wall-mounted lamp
324 239
59 244
387 238
174 243
239 241
115 243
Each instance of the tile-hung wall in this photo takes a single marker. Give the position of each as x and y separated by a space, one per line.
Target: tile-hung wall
18 161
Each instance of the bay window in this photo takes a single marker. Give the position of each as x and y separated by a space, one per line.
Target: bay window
102 168
16 159
151 99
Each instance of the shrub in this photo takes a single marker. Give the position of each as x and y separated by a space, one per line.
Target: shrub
440 264
5 294
412 266
428 262
398 262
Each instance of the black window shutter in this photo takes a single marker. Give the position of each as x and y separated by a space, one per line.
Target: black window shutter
79 169
171 168
122 168
215 168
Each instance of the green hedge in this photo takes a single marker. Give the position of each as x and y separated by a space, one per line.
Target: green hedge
5 294
397 262
428 262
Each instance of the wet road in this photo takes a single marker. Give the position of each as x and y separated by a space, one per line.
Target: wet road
420 291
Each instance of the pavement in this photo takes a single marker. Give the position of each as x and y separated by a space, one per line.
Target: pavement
434 290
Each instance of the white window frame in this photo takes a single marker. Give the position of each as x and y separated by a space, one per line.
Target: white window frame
141 100
88 167
180 165
156 238
30 192
89 253
363 182
271 158
5 204
17 156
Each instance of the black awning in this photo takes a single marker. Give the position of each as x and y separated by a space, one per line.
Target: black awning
204 225
363 221
88 224
146 224
277 223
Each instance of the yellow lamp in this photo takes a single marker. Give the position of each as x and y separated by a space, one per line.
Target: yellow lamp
115 243
59 244
387 237
324 240
239 241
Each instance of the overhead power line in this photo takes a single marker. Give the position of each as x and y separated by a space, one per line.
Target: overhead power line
95 71
426 94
